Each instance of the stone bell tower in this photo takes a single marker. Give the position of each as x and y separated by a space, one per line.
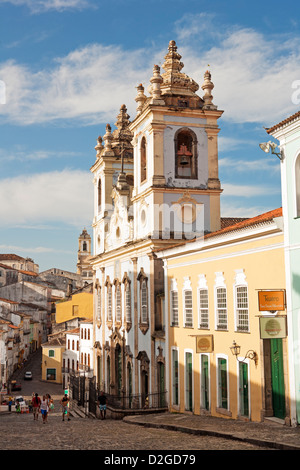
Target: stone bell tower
175 154
83 257
113 180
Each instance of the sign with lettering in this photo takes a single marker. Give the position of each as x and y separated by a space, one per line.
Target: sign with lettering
204 344
271 300
272 327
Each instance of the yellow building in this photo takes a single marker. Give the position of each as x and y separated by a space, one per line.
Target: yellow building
78 305
52 353
212 290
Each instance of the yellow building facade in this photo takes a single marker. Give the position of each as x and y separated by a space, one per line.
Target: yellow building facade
52 361
212 287
78 305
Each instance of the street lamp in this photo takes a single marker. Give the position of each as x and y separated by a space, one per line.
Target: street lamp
235 349
267 146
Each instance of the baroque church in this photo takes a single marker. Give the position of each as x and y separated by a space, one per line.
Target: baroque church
156 184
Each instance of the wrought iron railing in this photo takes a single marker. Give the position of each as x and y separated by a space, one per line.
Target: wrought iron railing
138 402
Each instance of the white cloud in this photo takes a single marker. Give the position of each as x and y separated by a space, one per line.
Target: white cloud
89 84
20 155
65 197
234 210
252 73
36 249
253 76
248 191
42 6
240 166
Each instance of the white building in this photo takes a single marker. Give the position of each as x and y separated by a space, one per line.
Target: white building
155 184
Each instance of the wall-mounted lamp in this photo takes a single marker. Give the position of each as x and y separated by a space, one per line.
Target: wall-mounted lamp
267 146
235 349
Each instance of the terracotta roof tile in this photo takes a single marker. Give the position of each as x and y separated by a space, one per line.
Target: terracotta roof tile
248 222
244 223
282 123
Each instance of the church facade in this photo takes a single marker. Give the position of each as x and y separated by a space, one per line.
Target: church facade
156 184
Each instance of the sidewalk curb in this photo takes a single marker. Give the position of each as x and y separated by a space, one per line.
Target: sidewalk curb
206 432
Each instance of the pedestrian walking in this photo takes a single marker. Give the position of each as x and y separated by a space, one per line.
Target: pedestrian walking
102 405
44 408
9 404
36 405
50 402
18 408
65 406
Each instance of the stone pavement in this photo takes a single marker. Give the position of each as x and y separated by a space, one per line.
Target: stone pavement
269 434
163 431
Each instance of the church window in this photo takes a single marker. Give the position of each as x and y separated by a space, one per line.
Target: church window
185 154
128 302
109 303
99 304
84 246
99 195
143 160
144 302
118 312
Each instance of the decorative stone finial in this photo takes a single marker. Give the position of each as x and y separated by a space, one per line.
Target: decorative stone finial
173 79
156 81
108 139
140 99
122 118
99 146
208 87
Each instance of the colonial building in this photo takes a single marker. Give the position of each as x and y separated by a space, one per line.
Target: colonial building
226 322
156 183
288 134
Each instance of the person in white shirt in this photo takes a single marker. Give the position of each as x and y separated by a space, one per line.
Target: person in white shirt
44 408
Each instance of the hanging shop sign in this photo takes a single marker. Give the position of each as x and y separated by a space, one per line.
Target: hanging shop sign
272 327
204 344
271 300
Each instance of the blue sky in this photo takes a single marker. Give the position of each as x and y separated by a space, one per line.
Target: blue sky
68 66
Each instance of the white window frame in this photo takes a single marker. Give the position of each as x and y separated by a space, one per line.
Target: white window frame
221 309
144 301
173 291
202 311
187 289
109 302
99 303
220 284
118 303
127 301
240 282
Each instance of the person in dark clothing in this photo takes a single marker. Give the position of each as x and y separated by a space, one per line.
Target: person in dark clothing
65 407
102 405
36 405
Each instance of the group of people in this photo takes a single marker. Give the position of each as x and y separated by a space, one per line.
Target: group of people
43 405
46 405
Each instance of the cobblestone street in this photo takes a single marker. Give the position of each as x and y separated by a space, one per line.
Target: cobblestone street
21 432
